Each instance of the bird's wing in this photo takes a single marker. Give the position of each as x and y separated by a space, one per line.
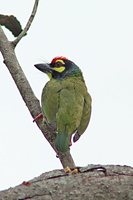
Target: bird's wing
49 100
70 107
85 117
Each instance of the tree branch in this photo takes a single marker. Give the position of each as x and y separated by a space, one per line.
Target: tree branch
92 185
23 33
28 95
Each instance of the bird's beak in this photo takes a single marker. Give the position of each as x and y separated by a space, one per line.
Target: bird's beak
44 68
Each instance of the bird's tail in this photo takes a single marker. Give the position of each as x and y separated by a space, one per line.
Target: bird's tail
62 142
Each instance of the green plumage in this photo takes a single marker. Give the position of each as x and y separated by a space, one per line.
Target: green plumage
66 105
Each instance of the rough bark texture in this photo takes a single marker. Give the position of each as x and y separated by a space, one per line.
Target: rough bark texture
116 184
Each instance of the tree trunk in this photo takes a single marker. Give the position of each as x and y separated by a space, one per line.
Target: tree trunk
92 183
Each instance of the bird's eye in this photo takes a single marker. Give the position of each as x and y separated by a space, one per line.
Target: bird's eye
58 64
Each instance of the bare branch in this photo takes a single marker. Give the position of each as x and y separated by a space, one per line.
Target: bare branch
23 33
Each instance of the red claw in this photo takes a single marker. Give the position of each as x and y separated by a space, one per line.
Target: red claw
40 116
26 183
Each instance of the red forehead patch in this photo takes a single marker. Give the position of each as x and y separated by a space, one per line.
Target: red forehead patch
58 58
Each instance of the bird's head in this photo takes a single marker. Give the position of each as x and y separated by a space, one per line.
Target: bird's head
59 67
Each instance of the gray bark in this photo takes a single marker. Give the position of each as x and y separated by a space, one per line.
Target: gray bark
116 184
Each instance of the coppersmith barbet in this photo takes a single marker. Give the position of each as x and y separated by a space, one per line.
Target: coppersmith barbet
66 104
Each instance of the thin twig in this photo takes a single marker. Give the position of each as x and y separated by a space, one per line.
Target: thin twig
23 33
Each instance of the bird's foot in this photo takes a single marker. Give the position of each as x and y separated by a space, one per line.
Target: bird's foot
67 170
40 116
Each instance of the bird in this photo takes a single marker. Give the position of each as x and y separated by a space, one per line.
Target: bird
65 101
